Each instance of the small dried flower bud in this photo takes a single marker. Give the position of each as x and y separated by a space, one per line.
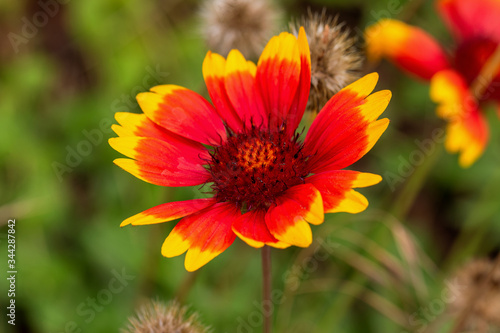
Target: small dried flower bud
469 281
158 317
238 24
335 60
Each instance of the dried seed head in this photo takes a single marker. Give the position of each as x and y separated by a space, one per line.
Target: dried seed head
158 317
238 24
335 60
469 281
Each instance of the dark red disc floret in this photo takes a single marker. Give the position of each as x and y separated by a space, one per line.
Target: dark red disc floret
254 167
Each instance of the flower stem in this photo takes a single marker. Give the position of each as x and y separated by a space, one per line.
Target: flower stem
487 74
266 287
472 239
406 198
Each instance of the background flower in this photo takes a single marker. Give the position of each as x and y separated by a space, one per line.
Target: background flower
458 84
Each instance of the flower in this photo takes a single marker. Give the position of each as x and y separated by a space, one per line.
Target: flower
159 317
335 60
238 24
457 81
267 183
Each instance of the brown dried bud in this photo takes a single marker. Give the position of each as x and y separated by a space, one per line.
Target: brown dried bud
471 280
158 317
245 25
335 60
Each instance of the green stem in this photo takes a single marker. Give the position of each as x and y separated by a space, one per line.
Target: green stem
406 197
186 286
266 287
477 226
488 72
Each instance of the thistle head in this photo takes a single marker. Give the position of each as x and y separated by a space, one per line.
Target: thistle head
477 283
335 59
244 25
158 317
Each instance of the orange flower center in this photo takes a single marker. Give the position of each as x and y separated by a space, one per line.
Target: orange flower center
254 167
255 154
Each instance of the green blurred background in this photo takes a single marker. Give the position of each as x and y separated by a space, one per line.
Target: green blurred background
60 86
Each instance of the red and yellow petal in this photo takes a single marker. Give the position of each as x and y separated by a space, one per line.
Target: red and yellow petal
288 220
336 188
204 235
450 91
168 212
175 163
242 91
346 128
162 176
472 18
183 112
214 67
467 130
252 229
411 48
139 125
179 152
468 137
135 124
278 76
300 101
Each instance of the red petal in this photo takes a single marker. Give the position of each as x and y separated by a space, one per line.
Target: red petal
214 67
345 129
242 91
175 163
472 18
204 235
336 189
278 75
168 212
183 112
251 227
287 219
409 47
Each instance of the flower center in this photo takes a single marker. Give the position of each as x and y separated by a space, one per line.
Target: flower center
254 167
472 54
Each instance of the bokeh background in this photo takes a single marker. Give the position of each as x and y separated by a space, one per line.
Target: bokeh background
384 270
